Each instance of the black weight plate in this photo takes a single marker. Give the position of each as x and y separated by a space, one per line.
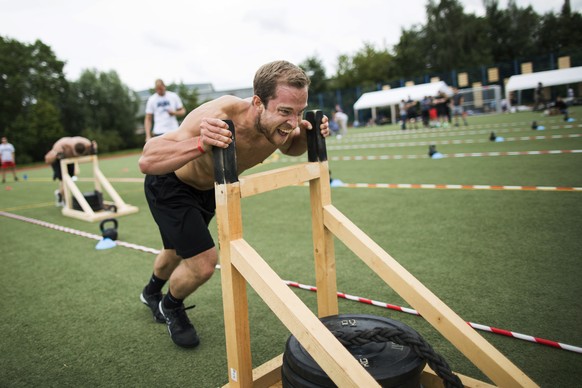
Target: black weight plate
292 380
390 364
300 363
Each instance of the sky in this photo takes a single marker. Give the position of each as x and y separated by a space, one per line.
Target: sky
222 42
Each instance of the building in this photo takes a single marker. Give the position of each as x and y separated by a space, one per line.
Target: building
206 92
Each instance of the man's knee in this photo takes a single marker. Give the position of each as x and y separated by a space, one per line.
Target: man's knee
203 265
167 260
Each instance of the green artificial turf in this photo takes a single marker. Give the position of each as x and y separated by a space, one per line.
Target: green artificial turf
509 259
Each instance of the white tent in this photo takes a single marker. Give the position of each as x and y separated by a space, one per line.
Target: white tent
520 82
392 97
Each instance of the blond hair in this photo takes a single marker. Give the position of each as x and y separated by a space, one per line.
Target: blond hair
271 74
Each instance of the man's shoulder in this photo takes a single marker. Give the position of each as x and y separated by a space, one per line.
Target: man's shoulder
229 104
172 95
153 97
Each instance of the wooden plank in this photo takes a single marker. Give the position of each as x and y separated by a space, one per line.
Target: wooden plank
100 178
71 188
320 343
487 358
323 248
269 373
234 294
429 379
97 216
96 171
276 179
78 214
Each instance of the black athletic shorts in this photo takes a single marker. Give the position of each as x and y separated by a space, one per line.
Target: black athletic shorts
58 174
181 212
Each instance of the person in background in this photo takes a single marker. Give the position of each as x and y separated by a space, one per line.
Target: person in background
442 106
402 110
163 107
412 112
8 159
570 96
457 105
561 105
539 97
342 121
333 127
425 105
67 147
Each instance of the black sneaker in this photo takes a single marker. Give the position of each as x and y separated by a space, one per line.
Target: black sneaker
153 301
180 328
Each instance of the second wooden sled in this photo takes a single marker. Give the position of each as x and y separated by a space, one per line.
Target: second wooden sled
100 183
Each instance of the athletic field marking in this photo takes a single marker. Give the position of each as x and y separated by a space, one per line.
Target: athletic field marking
428 134
441 131
475 326
440 142
362 137
425 156
31 206
453 187
76 232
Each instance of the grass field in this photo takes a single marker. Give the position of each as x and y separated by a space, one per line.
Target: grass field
499 241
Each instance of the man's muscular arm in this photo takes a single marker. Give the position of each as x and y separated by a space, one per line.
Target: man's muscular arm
163 155
167 153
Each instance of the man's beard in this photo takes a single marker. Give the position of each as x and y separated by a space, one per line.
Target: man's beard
263 130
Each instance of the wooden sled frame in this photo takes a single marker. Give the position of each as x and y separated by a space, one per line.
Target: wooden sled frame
241 264
100 182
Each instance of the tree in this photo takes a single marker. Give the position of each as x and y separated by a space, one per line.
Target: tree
106 110
189 96
373 66
316 72
345 76
454 39
411 54
512 33
557 32
32 86
42 126
368 67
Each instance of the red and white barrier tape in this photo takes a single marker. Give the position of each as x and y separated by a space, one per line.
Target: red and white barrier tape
279 159
77 232
476 326
457 155
407 310
471 130
455 187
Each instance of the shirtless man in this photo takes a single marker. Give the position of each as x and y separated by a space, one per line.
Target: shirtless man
67 147
179 185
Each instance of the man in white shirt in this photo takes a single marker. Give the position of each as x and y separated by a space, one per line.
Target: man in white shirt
164 107
342 121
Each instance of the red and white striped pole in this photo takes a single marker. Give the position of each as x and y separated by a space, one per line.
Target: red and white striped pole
475 326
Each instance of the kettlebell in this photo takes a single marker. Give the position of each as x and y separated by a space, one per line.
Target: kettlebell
110 233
